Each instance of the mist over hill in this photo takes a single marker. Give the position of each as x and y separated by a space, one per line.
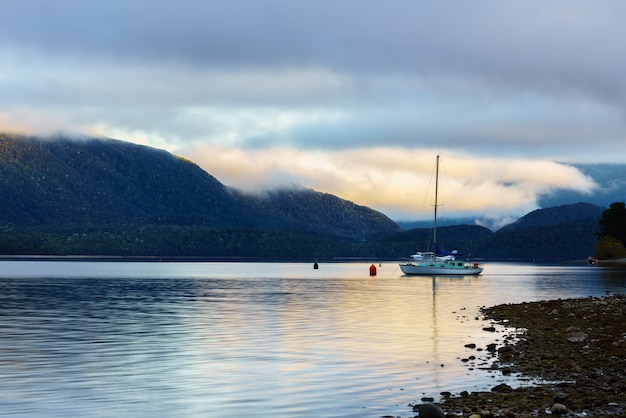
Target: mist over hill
610 178
93 196
611 181
104 196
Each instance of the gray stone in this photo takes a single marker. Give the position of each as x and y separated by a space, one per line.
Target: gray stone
429 410
576 337
558 409
502 388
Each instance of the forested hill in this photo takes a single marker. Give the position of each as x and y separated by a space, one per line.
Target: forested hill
47 183
561 233
564 232
94 188
108 197
557 215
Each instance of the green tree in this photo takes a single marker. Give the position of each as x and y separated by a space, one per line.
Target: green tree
609 248
611 242
613 222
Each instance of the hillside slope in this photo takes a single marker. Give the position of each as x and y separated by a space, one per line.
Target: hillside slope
63 181
556 215
67 182
109 197
564 232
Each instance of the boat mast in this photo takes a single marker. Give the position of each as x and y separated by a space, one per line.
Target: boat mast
436 192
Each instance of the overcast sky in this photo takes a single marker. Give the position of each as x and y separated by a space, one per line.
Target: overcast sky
349 97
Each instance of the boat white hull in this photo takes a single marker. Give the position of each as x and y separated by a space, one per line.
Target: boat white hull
438 262
441 269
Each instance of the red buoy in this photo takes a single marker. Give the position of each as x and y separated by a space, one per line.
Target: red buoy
372 270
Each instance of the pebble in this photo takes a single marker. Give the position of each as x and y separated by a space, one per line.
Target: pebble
502 388
550 350
576 337
558 409
429 410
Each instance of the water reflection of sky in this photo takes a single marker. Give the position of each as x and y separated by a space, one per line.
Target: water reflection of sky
224 339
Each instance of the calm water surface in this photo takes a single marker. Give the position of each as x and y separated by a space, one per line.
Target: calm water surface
102 339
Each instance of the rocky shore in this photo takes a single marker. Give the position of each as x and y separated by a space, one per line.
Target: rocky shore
576 348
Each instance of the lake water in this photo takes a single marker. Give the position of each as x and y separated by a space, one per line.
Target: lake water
102 339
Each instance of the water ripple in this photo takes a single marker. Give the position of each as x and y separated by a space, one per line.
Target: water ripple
161 340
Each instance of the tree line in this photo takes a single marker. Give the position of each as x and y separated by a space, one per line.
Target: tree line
612 234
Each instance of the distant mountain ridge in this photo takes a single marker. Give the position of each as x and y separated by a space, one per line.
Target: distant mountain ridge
611 181
565 232
610 178
562 214
110 197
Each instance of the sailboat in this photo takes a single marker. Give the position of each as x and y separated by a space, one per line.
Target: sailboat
439 263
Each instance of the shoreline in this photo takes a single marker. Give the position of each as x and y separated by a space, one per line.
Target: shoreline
576 347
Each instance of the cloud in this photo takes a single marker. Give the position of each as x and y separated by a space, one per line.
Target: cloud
344 97
308 107
561 44
398 182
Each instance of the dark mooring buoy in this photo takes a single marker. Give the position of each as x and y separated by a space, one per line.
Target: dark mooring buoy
315 266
